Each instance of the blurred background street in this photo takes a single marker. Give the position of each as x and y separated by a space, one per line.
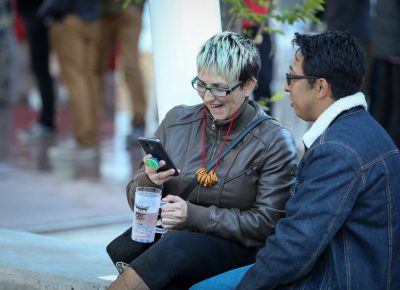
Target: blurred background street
74 199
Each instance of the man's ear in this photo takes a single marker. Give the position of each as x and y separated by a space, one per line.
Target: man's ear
249 87
323 88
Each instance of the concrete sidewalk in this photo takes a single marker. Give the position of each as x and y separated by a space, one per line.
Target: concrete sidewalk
43 203
76 219
30 261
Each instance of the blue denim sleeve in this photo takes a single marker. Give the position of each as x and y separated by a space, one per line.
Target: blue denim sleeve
325 191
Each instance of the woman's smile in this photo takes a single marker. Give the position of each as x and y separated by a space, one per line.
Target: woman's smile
216 110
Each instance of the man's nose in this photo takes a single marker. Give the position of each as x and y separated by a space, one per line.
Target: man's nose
286 87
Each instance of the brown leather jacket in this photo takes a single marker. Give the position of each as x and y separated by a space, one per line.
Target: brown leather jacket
253 179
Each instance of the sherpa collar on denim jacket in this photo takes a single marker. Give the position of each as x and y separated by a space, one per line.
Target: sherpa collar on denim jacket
326 118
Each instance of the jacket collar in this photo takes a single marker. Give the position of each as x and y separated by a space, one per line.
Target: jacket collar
327 117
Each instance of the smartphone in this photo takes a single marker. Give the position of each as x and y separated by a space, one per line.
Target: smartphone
154 147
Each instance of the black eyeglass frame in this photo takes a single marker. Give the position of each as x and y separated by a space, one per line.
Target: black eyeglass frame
226 90
290 77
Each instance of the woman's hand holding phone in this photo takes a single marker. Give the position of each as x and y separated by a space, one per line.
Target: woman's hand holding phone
158 176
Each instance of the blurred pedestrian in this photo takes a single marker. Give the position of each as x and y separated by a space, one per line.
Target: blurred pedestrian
38 41
353 16
263 41
8 78
121 27
74 28
385 96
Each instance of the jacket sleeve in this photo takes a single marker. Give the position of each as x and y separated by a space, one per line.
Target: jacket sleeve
250 227
323 197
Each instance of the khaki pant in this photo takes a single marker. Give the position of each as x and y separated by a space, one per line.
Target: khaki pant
75 43
125 27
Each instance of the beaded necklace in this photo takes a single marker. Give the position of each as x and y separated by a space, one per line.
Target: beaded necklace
210 178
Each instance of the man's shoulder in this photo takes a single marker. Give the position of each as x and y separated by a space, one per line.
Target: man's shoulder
359 133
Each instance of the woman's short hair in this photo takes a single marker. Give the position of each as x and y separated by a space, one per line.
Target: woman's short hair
231 55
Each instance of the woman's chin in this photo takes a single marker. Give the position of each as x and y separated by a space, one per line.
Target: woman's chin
218 114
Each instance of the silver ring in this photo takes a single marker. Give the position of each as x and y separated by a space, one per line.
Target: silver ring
157 176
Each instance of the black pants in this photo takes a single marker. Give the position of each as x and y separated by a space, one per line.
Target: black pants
124 249
180 259
39 47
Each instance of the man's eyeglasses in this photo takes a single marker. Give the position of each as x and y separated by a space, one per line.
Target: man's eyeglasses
290 77
216 92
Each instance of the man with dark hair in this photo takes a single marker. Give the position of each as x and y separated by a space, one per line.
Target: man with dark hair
342 223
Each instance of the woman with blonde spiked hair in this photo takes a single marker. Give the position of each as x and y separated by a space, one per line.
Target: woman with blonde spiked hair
237 200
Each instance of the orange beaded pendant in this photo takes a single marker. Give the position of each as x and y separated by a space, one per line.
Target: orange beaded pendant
205 178
210 178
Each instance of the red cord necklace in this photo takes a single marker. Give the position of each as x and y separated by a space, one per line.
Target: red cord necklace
210 178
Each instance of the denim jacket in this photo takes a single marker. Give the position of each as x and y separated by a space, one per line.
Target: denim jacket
342 224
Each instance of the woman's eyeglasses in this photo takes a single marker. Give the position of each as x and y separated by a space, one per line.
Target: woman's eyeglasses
290 77
216 92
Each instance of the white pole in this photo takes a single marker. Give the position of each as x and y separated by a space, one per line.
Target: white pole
178 29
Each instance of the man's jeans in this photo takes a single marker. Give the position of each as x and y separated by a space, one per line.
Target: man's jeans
224 281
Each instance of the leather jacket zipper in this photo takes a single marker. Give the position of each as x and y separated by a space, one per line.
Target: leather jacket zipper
213 125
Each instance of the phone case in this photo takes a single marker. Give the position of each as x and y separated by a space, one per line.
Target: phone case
154 147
